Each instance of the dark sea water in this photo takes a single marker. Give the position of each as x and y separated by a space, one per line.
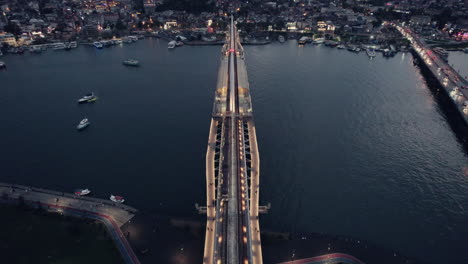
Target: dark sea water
349 146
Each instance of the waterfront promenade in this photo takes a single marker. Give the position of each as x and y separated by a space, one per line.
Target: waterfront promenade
112 215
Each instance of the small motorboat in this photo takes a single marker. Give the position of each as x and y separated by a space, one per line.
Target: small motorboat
87 98
83 124
82 192
117 199
98 45
131 62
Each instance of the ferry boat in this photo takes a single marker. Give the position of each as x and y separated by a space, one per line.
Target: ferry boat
370 52
131 62
117 199
302 40
59 46
82 192
87 98
281 39
171 44
83 124
97 44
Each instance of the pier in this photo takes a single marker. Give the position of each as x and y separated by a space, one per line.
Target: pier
454 85
112 215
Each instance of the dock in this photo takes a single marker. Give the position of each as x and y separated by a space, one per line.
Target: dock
112 215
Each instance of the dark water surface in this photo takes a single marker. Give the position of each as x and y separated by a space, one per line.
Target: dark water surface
348 145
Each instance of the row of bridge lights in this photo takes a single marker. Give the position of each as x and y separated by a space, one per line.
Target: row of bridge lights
241 154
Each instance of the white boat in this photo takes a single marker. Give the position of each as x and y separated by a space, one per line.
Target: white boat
59 46
87 98
117 41
2 65
302 40
133 38
82 192
97 44
281 39
131 62
73 44
341 46
171 44
370 52
83 124
35 49
318 41
117 199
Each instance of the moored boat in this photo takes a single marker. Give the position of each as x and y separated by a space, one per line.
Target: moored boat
370 52
59 46
82 192
171 44
131 62
83 124
2 65
117 199
35 49
97 44
302 40
281 39
318 41
341 46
